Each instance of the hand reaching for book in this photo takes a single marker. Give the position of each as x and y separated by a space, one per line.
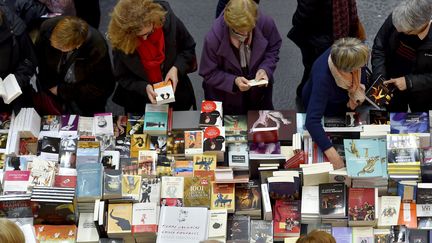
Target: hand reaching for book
173 76
151 94
334 158
400 83
261 75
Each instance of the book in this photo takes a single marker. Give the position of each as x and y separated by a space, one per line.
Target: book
342 234
332 197
193 142
164 91
214 139
119 219
110 159
235 128
363 158
248 199
57 233
204 166
112 184
389 210
182 225
16 182
238 229
156 119
139 142
286 219
382 235
197 192
85 126
172 191
42 172
379 95
89 181
103 124
147 163
402 148
159 144
69 125
408 215
175 144
135 124
217 224
362 234
107 141
403 122
284 121
88 152
211 113
150 190
183 168
49 148
238 155
131 186
379 117
223 196
145 217
164 165
15 163
9 88
361 206
254 82
285 187
418 236
86 229
67 181
261 231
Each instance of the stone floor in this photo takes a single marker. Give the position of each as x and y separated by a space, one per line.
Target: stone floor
199 14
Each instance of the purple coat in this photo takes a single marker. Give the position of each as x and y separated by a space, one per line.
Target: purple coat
219 66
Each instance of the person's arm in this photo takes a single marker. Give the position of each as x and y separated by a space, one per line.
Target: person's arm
419 82
47 74
125 78
27 61
271 55
378 59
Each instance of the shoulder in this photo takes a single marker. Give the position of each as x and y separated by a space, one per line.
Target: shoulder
216 33
320 70
264 21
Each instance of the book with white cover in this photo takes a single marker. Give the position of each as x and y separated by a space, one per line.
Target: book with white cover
255 82
310 202
9 88
29 233
164 91
217 224
389 210
103 124
86 229
85 126
145 217
182 225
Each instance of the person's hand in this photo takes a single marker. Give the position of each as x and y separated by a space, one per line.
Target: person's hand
334 158
242 83
173 76
400 83
53 90
260 75
151 94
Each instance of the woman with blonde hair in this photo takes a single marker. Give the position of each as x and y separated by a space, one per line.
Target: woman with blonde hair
335 87
10 232
150 45
243 44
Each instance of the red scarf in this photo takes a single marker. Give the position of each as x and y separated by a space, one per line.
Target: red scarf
152 54
345 19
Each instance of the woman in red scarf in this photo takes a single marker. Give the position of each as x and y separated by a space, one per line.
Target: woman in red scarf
150 45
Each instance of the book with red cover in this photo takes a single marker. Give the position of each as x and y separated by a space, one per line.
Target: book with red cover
295 161
408 215
284 121
65 181
286 219
361 205
57 233
16 182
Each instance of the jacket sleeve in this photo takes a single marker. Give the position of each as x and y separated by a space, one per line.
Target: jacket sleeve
125 78
419 82
47 74
186 58
379 49
211 70
271 55
27 61
315 113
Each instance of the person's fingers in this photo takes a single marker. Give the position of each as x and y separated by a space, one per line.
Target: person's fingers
391 81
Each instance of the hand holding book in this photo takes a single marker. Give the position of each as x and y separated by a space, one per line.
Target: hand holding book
334 158
151 94
172 76
261 79
400 83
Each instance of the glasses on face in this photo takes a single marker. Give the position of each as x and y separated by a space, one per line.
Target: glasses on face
147 34
417 31
240 34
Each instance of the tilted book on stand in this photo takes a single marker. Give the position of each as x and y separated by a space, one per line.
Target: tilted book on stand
379 95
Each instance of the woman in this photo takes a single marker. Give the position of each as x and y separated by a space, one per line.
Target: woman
75 66
150 45
402 55
317 236
10 232
242 45
17 57
335 87
317 24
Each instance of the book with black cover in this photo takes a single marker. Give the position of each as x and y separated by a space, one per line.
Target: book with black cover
379 117
238 229
418 236
379 95
332 197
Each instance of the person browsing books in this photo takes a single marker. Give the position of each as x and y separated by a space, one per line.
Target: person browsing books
10 232
74 65
150 45
335 87
402 55
317 236
243 44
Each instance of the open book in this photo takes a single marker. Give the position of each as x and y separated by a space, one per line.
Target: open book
379 94
9 89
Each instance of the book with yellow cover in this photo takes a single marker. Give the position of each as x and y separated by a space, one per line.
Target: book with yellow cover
139 142
205 165
119 219
131 185
197 192
223 196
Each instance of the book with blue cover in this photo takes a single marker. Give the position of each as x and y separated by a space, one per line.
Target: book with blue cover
342 234
403 122
156 119
363 158
89 181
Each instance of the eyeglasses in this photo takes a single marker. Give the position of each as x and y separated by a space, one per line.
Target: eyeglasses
240 34
147 34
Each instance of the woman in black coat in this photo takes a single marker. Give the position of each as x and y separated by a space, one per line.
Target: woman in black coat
16 56
402 54
150 44
75 65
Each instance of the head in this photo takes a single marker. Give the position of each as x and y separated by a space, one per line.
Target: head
349 54
69 34
10 232
132 20
241 16
317 237
412 16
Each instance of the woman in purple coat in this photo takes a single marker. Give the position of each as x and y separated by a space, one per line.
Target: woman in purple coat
242 45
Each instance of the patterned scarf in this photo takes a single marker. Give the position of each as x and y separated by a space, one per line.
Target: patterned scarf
356 90
345 19
243 44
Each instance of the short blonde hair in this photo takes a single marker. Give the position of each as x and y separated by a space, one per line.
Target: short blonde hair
127 20
10 232
317 236
241 14
349 53
69 32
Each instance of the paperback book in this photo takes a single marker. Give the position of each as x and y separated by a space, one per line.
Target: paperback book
379 95
235 128
211 113
164 91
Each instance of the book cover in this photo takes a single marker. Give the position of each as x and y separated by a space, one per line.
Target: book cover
408 215
342 234
5 120
283 120
18 206
286 218
164 91
150 190
85 126
123 146
164 165
49 148
261 231
214 139
363 158
139 142
103 124
145 218
403 148
135 124
42 172
147 163
86 228
27 146
248 197
89 181
264 148
223 196
172 191
211 113
57 233
235 128
382 235
332 197
379 117
197 192
112 184
238 228
425 223
204 166
403 122
193 142
286 190
15 182
183 168
175 142
361 204
88 152
50 123
58 212
238 155
107 141
362 235
120 126
69 124
67 181
182 225
119 218
217 224
389 210
10 89
159 144
110 159
156 119
379 95
15 163
131 186
418 236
